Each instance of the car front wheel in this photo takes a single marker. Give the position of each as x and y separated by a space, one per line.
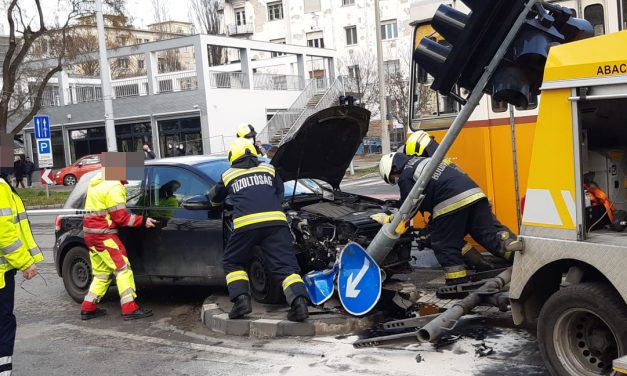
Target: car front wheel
264 287
69 180
581 330
76 272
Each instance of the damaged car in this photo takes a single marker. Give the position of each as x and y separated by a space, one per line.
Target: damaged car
186 248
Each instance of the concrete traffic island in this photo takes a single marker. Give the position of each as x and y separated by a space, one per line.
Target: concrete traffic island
268 320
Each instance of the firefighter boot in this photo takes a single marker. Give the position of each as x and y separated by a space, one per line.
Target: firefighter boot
241 307
473 258
298 311
455 275
88 315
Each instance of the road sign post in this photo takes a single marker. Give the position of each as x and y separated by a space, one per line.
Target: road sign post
358 281
44 148
46 179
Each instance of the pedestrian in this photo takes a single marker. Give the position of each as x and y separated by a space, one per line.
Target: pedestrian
171 150
18 172
457 206
181 150
422 144
107 200
148 154
29 168
18 251
256 192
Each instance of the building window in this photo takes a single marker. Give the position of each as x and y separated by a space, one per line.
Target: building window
180 137
353 72
392 68
123 63
311 6
622 6
240 16
389 30
132 137
315 39
87 141
140 64
146 40
594 14
278 41
348 2
275 11
351 35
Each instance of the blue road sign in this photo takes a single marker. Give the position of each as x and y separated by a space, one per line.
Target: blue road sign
43 146
320 285
359 280
42 126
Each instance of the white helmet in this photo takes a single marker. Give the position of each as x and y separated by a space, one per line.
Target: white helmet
385 167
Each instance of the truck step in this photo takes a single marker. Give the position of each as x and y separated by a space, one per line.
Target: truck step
620 365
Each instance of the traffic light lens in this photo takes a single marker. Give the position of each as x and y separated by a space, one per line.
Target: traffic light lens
449 23
431 55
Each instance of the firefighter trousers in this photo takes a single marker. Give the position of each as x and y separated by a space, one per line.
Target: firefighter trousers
448 232
278 253
7 323
108 258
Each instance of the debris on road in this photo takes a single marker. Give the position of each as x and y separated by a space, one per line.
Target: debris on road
481 349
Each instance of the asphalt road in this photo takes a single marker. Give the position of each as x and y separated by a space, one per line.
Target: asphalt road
52 340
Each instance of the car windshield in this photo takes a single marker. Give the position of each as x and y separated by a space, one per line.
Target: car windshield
304 187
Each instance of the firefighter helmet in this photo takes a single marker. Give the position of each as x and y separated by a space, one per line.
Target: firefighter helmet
417 143
246 130
385 167
239 148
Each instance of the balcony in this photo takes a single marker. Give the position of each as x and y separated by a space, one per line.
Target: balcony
234 29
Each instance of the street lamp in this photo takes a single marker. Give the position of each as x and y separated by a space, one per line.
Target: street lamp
105 79
385 135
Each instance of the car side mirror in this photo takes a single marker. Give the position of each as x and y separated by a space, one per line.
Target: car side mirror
199 202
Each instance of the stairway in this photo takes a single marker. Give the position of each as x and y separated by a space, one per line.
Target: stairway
278 136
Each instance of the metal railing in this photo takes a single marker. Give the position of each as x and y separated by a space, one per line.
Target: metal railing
234 29
130 87
227 80
285 119
176 81
50 97
331 96
80 93
262 81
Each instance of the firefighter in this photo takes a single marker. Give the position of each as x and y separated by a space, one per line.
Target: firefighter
422 144
107 200
457 206
18 251
256 192
247 131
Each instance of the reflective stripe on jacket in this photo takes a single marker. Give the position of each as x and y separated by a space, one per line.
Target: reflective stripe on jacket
449 189
18 249
256 193
107 200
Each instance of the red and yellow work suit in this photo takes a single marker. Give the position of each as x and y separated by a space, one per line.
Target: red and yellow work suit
107 200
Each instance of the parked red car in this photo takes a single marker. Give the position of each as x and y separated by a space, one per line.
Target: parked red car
71 174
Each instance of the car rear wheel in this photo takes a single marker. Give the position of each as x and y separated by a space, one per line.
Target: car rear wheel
264 287
581 329
76 272
69 179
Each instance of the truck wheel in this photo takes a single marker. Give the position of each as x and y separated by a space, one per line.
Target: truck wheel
581 329
76 272
264 287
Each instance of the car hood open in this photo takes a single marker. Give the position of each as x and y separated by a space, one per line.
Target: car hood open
323 146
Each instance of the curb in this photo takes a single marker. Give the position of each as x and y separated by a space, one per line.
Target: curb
320 323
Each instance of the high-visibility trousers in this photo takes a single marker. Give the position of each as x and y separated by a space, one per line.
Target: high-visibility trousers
108 258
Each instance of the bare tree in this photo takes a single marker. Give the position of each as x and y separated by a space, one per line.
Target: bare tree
208 17
25 80
362 83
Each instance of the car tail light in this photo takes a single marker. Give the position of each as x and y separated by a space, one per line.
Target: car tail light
57 223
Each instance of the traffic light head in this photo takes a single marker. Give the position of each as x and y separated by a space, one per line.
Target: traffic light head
471 41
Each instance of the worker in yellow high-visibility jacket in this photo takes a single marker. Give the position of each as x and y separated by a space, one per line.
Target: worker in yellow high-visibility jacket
18 251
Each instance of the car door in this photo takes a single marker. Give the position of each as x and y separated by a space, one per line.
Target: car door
133 237
186 243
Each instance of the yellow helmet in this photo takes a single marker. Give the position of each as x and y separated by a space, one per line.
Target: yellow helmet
417 143
245 130
241 147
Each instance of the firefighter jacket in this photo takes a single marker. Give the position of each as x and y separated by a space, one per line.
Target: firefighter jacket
107 200
18 249
448 190
256 193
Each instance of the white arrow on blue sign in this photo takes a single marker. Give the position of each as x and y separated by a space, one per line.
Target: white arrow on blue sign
359 280
42 126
